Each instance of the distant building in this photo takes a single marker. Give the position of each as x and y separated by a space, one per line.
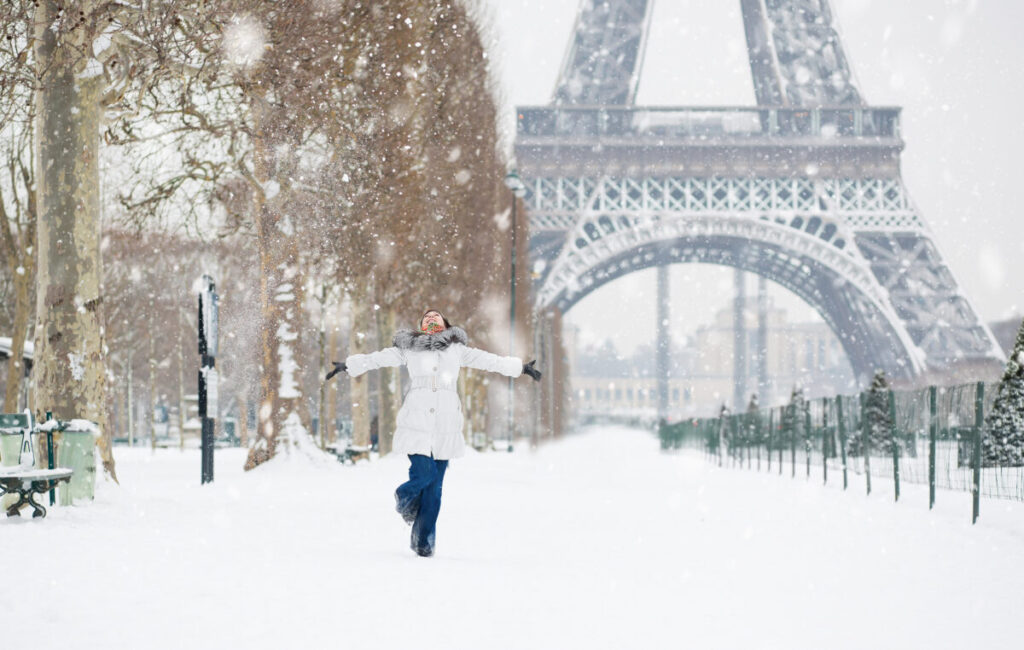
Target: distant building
798 354
701 372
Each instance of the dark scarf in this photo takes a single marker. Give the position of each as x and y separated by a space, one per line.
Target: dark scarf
423 342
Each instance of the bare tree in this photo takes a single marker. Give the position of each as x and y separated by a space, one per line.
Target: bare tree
347 140
150 316
87 55
69 375
17 182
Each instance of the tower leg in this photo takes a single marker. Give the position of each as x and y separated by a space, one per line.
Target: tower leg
663 347
762 340
739 337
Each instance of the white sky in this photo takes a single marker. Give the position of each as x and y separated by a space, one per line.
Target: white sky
953 65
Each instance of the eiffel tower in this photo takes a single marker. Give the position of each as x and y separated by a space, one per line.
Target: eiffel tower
803 189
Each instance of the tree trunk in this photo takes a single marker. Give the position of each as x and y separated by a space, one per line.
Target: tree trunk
390 389
332 388
282 409
243 420
322 345
182 406
69 375
151 388
475 407
359 387
557 389
18 246
129 400
16 364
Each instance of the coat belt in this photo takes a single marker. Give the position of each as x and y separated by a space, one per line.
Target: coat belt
432 383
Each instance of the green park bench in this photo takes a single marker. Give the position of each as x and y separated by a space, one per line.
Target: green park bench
348 453
24 482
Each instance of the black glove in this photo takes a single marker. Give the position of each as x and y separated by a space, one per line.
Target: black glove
339 366
528 369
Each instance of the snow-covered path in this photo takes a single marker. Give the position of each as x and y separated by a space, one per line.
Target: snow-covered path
598 541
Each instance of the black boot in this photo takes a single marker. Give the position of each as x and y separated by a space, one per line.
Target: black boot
409 513
422 551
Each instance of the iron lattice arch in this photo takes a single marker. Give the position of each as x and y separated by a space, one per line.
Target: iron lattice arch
855 249
826 277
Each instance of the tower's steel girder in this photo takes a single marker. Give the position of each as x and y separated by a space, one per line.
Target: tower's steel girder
602 65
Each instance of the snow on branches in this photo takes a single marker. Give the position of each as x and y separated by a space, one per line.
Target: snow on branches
1003 443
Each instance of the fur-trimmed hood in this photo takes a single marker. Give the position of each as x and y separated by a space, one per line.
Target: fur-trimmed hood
423 342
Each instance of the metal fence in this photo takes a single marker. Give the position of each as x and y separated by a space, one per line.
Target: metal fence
936 439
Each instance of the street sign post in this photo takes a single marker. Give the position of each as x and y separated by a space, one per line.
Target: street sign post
208 319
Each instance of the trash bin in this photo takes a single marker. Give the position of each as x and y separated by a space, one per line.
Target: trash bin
77 451
10 447
13 427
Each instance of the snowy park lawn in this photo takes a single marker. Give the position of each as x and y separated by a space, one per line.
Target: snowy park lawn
598 541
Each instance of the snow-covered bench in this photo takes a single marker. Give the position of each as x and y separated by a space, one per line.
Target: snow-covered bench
26 483
347 453
18 476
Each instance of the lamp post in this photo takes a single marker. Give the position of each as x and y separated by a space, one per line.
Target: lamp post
512 182
208 326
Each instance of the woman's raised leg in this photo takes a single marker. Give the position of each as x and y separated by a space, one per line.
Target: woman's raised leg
423 529
408 496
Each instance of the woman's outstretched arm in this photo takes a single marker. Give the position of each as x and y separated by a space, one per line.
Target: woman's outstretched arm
489 362
357 364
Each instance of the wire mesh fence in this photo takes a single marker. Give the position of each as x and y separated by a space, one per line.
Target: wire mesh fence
934 437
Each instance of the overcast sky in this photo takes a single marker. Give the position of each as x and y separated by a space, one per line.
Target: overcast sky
954 66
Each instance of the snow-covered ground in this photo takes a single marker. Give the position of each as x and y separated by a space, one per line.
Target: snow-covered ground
598 541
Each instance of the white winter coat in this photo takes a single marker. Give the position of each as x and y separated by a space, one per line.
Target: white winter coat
430 420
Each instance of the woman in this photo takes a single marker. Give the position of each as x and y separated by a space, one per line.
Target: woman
429 424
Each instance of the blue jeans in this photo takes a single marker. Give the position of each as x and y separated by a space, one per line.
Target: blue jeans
419 500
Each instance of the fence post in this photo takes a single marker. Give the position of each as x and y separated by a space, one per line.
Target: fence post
865 434
706 437
893 440
782 436
824 438
808 444
979 416
726 446
737 429
757 436
734 447
748 437
726 427
933 425
842 436
705 432
792 437
719 426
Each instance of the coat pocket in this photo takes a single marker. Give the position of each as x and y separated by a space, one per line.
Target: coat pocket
449 417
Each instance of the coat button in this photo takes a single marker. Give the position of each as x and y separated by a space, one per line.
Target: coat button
431 410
